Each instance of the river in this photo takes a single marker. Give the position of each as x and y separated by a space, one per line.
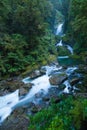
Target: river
10 102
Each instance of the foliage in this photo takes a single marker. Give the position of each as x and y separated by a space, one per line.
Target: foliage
63 51
25 34
77 27
69 113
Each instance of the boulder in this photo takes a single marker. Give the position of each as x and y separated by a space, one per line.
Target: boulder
74 81
35 74
46 98
57 78
43 70
24 89
61 87
17 121
9 85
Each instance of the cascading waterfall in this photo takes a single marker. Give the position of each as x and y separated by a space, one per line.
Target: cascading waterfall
59 32
59 29
68 46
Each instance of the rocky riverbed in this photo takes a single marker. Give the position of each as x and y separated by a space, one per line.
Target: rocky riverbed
19 119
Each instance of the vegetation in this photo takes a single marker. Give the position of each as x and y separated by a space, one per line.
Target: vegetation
27 40
77 25
66 115
26 32
25 35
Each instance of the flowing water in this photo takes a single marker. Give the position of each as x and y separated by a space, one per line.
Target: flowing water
68 46
70 49
8 104
60 43
11 101
59 29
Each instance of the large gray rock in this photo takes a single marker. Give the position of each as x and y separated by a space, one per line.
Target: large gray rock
57 78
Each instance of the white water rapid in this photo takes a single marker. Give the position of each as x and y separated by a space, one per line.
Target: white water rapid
68 86
11 101
6 104
70 70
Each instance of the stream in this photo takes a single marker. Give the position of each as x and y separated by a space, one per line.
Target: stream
10 102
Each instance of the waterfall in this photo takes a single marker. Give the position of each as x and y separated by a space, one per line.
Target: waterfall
70 49
59 32
59 29
60 43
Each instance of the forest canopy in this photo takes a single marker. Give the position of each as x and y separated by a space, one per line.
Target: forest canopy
27 30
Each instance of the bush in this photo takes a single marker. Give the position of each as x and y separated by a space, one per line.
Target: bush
68 114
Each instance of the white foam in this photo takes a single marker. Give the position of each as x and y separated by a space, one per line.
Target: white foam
68 86
70 49
6 104
59 29
60 43
70 70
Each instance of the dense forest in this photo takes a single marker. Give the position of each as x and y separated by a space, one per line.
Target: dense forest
27 41
27 33
77 25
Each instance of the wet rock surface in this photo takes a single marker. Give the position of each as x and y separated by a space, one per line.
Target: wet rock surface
74 81
17 121
35 74
57 79
10 85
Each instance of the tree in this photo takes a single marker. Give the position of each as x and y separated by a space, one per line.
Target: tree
78 24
